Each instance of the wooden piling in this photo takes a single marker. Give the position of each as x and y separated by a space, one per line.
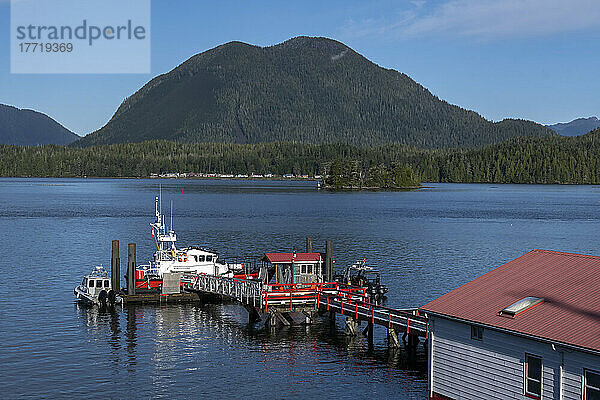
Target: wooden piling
328 260
131 264
309 244
115 267
351 326
393 338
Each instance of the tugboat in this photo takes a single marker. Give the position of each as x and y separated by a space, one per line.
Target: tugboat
96 289
362 275
168 258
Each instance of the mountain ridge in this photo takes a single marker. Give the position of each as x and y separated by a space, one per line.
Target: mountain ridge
578 126
25 127
306 89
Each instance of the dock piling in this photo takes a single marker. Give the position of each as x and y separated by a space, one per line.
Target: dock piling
115 267
131 264
309 244
351 326
328 260
393 338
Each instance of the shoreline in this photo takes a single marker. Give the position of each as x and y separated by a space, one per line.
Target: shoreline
281 179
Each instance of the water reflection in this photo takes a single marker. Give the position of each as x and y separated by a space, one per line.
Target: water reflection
177 333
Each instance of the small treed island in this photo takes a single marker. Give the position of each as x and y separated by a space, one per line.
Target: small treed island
307 106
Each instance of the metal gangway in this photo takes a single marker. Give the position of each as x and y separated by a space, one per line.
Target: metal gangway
333 297
245 291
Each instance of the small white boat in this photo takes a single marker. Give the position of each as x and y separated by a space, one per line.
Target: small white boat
96 289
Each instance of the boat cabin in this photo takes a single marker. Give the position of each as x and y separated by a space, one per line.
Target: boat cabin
307 267
95 284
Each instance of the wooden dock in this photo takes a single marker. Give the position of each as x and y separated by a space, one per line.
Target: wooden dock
154 298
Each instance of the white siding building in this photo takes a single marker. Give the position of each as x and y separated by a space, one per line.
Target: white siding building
528 329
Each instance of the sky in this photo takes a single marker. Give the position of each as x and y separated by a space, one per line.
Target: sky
530 59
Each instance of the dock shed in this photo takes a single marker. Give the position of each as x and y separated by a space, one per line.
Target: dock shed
308 267
529 329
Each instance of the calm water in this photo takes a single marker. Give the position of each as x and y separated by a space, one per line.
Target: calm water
425 243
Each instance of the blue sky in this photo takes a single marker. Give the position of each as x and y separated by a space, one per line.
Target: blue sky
532 59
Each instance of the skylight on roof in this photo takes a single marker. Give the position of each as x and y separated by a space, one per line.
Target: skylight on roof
520 306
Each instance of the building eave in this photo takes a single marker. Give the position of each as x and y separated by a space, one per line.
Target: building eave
515 333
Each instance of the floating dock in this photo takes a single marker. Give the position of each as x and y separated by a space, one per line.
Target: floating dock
278 304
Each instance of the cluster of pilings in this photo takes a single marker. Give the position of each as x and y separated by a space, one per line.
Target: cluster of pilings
115 268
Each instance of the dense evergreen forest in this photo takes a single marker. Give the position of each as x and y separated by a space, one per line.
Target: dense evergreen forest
517 160
306 90
348 174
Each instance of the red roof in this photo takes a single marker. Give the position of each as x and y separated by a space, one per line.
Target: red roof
568 283
287 257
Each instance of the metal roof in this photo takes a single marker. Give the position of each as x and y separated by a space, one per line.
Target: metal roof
287 257
568 283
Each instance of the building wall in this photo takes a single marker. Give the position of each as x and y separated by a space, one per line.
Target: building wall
493 368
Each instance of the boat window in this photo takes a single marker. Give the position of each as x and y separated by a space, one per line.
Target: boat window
196 258
91 282
200 258
84 282
309 269
208 258
99 283
106 283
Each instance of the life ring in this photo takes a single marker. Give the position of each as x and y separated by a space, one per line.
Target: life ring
183 257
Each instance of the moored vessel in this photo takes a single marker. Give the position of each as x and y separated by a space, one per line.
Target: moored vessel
95 288
170 259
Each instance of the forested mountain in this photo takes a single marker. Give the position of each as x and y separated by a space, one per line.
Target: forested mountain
576 127
554 159
31 128
306 90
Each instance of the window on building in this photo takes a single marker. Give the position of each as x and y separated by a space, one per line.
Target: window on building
533 376
317 270
309 269
591 385
476 332
303 269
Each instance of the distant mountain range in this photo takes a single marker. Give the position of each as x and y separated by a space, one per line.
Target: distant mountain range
576 127
31 128
307 90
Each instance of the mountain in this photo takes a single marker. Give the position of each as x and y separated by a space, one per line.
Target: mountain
310 90
576 127
31 128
